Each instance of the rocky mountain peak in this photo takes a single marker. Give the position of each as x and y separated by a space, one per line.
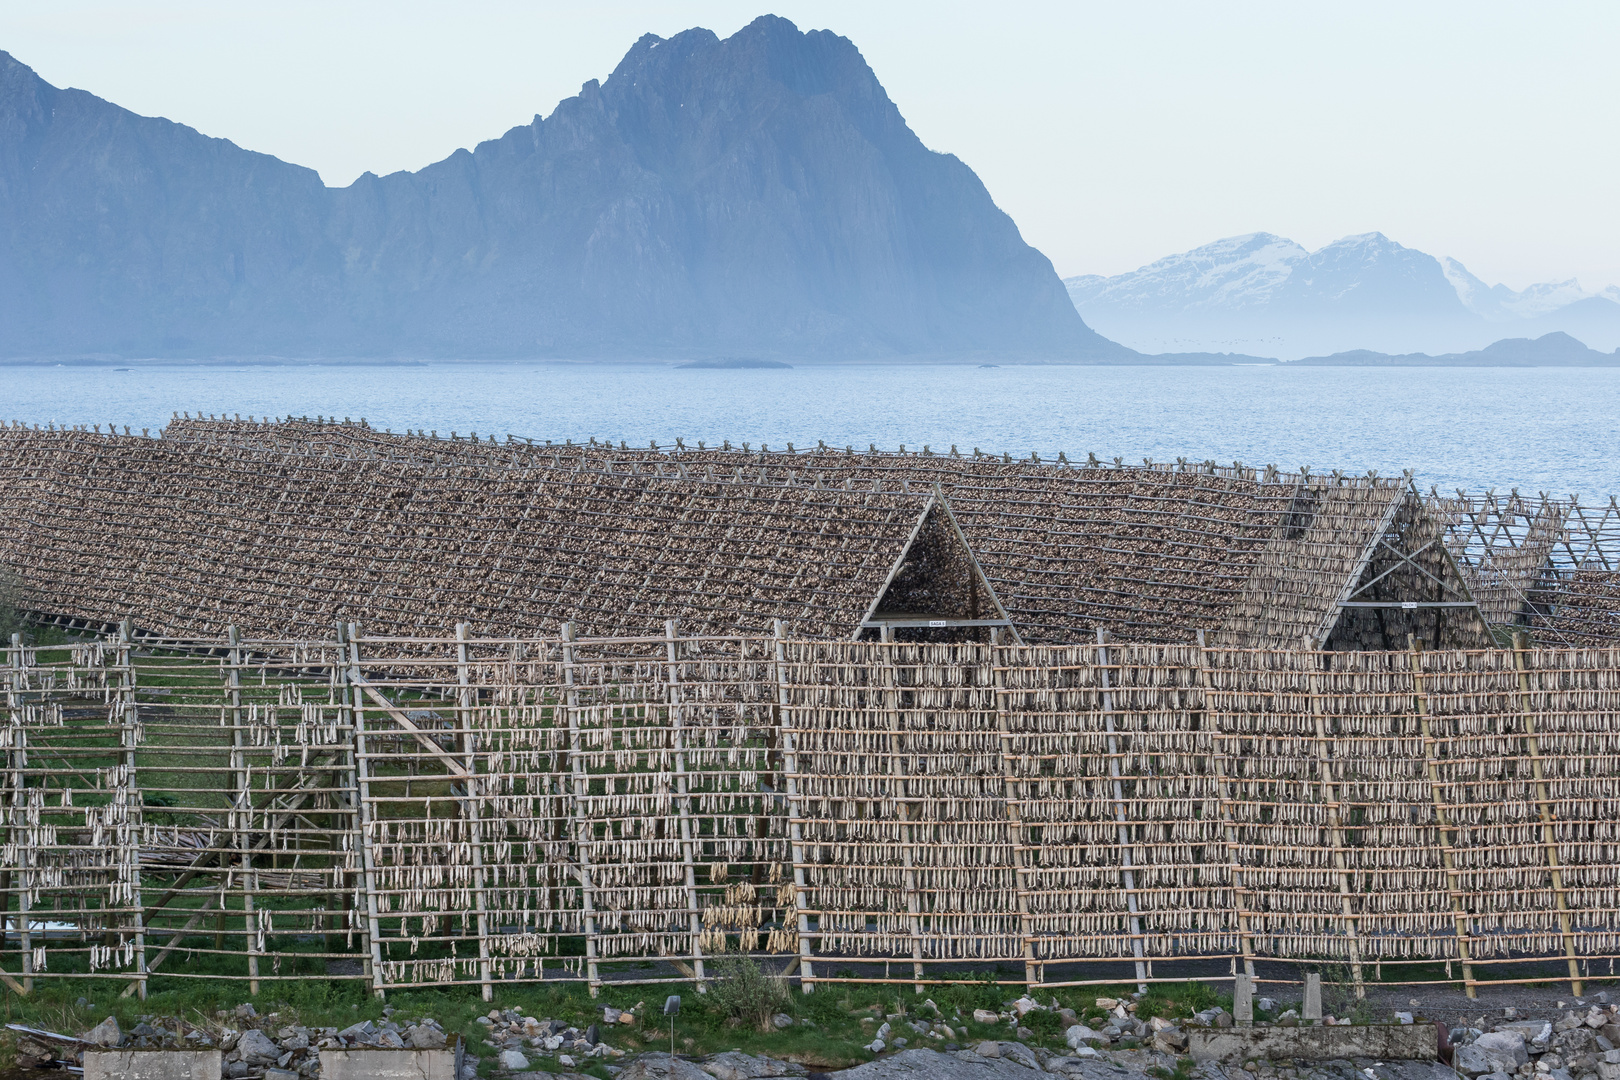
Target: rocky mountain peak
757 195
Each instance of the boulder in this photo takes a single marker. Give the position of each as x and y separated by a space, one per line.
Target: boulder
1079 1035
425 1037
735 1065
1020 1053
988 1049
1532 1030
512 1060
660 1066
927 1064
1496 1051
257 1048
105 1033
364 1031
985 1016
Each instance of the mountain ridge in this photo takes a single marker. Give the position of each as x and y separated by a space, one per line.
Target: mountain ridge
1262 292
757 195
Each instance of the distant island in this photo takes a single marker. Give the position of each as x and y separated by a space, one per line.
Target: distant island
1550 350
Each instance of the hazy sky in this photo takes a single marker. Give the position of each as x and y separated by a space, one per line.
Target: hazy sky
1113 133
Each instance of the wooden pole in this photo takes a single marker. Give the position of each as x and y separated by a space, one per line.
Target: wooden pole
790 783
1223 801
1549 839
368 813
352 884
129 730
683 803
18 810
1126 872
472 810
891 722
1448 828
1330 799
580 789
243 813
1013 791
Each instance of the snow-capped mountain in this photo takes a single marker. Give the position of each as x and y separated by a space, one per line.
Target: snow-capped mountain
1498 303
1266 295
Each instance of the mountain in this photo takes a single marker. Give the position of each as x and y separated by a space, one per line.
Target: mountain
757 196
1549 350
1262 292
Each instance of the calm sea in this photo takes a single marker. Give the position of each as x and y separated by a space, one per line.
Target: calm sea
1539 429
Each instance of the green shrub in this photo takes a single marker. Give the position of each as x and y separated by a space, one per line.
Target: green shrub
741 990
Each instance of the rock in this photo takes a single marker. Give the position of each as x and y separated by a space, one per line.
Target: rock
1403 1017
105 1033
988 1049
782 1021
592 1035
1079 1034
364 1031
245 1011
566 1060
514 1061
659 1066
627 1018
1068 1018
256 1048
280 1074
1024 1005
390 1040
985 1016
1021 1054
927 1064
1597 1018
1024 1035
735 1065
1170 1040
899 1044
876 1046
297 1040
1497 1051
610 1015
1223 1020
1532 1030
423 1037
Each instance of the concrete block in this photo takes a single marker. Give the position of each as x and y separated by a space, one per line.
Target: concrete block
1312 1009
1243 999
153 1064
364 1064
1386 1042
